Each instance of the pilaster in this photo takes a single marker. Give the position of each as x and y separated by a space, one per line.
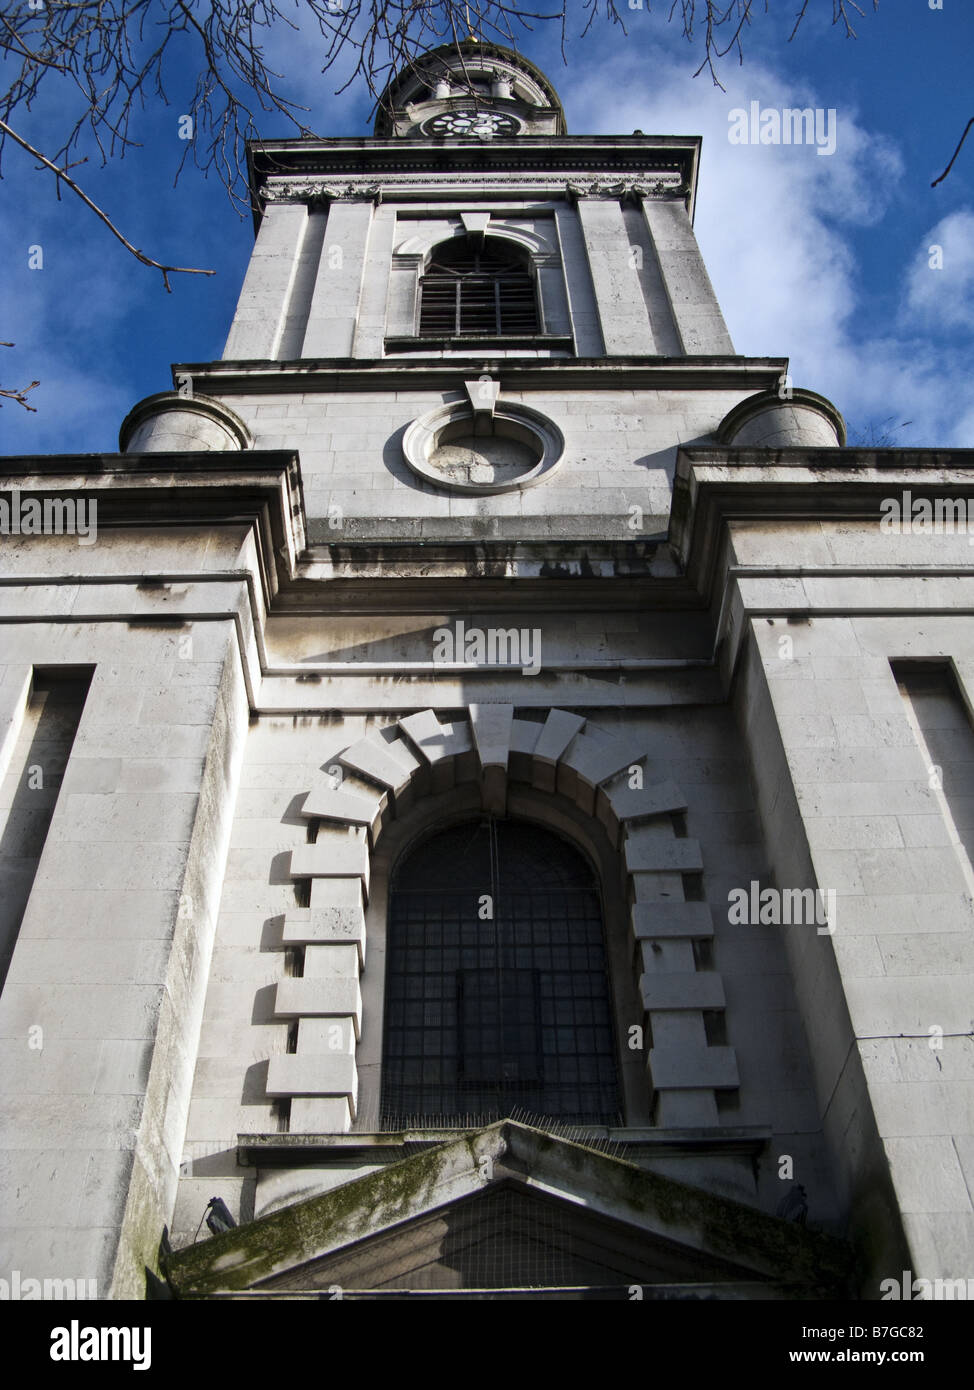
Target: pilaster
337 291
696 312
623 317
262 309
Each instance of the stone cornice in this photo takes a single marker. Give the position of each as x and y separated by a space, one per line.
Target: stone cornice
260 488
318 190
717 484
302 573
524 373
300 169
627 188
350 152
807 1262
297 1150
713 484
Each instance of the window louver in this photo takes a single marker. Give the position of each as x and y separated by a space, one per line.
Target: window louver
470 292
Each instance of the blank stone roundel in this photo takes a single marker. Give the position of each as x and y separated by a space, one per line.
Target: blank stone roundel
495 451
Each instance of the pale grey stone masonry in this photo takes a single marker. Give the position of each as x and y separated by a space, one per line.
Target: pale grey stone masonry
582 302
740 680
625 325
333 314
696 312
265 299
371 319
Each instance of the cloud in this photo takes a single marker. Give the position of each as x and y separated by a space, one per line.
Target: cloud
795 243
940 283
785 232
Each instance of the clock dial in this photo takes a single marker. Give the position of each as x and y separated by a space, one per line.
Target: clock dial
472 123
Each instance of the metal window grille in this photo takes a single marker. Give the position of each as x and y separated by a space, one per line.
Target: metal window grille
497 994
470 292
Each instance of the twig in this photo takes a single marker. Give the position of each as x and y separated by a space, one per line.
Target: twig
166 270
20 396
956 153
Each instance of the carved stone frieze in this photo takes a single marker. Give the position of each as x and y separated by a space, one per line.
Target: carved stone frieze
302 190
289 190
625 188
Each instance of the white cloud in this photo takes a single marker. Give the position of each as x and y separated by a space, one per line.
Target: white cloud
940 283
779 227
784 232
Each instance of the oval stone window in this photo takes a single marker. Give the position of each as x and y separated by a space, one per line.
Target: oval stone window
515 447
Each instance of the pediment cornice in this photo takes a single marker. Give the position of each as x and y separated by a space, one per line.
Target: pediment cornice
670 1219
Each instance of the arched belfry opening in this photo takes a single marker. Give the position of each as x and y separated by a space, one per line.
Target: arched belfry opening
497 991
477 287
469 89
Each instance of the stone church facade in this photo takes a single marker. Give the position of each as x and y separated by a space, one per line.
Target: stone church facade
493 804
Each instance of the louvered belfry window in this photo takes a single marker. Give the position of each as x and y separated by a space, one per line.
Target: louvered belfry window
477 292
497 990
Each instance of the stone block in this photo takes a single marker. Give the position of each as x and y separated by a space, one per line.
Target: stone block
595 756
433 740
661 856
320 1115
320 998
391 765
492 727
683 1069
560 727
325 801
336 915
692 921
341 858
701 990
324 1074
636 804
927 1175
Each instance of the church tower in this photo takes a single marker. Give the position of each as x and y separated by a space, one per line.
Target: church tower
497 835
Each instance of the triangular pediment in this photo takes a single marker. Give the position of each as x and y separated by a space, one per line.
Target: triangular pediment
514 1210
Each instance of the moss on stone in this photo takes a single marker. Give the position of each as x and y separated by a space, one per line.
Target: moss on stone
242 1257
728 1231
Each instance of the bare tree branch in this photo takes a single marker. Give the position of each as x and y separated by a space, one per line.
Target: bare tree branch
840 15
117 55
954 155
62 174
18 394
112 57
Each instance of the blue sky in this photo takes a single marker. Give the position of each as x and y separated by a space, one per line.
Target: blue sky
824 259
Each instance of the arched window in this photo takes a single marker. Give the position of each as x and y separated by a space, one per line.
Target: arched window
475 291
497 995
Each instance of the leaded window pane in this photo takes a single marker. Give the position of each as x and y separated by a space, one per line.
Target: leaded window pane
508 1008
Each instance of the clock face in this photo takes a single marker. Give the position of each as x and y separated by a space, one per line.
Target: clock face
472 123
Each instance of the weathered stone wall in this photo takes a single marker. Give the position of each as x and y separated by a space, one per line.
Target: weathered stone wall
100 1011
850 801
615 481
616 277
694 745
